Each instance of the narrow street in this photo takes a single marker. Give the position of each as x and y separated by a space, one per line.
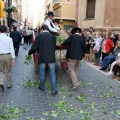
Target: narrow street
97 98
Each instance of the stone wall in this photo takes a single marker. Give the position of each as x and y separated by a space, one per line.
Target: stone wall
112 13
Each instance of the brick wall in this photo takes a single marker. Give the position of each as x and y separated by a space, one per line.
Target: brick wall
112 13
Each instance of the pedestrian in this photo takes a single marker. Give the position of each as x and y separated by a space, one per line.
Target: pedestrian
7 56
16 37
107 45
52 27
46 45
75 52
29 36
87 57
24 35
117 57
110 58
92 43
97 49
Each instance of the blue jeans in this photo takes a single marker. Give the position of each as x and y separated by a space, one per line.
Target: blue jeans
108 60
52 74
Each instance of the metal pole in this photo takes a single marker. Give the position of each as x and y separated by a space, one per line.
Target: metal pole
77 11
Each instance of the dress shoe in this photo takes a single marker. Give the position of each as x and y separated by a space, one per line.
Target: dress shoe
9 86
41 88
56 92
103 68
1 88
75 87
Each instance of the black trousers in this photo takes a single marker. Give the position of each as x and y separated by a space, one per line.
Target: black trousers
104 55
29 39
16 48
25 39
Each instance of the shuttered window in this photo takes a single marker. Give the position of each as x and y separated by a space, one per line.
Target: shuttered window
90 9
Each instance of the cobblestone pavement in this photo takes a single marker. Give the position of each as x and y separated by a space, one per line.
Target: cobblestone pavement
97 98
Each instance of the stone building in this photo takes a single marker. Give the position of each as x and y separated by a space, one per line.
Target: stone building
13 18
100 14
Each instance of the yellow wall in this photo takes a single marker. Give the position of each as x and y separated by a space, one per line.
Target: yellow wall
68 11
2 12
67 8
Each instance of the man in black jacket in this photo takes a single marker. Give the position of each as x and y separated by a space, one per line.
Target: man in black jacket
75 52
16 37
46 45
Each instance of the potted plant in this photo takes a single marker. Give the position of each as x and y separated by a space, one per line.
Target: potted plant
9 9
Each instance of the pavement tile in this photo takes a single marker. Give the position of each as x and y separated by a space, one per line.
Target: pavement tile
93 84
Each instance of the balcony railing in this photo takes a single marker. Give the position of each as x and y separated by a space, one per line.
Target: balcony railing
55 1
57 13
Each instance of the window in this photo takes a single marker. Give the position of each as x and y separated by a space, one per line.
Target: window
67 27
90 9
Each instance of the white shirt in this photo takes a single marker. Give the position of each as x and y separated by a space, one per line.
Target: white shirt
6 45
55 29
98 42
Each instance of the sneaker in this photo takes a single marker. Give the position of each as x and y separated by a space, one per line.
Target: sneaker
110 73
97 64
41 88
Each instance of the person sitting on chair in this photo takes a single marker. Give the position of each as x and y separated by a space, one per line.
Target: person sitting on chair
52 27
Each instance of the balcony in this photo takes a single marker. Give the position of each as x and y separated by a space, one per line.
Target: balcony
56 2
57 13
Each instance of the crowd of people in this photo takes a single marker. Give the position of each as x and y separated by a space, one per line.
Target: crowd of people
102 48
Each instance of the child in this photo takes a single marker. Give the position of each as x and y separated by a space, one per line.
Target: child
97 50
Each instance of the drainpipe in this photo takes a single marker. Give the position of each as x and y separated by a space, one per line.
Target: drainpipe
77 11
9 14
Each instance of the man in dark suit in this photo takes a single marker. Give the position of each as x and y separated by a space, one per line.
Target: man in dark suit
75 52
46 45
16 37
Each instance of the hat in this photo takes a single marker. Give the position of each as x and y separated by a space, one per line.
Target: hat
50 14
75 29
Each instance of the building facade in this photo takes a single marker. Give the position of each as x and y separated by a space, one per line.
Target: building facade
24 13
13 18
3 20
100 14
65 10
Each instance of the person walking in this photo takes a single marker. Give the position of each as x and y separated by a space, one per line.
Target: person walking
7 56
16 37
75 52
46 45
